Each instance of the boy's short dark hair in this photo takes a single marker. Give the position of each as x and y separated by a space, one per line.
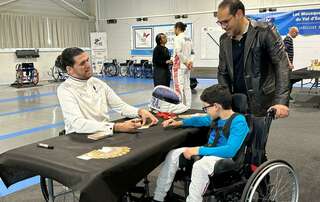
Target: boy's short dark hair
234 6
217 94
67 56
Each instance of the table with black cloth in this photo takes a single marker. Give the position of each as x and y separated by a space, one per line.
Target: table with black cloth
97 179
304 73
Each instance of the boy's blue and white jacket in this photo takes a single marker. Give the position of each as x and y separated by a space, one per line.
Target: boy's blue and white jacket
225 148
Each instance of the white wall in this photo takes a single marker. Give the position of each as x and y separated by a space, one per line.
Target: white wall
119 35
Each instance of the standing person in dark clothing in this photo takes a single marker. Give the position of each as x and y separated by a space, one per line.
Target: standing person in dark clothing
252 60
161 61
288 43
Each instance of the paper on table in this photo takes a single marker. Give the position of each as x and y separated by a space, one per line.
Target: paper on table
145 126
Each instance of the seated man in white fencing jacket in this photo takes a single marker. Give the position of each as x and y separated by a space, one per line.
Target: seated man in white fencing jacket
86 101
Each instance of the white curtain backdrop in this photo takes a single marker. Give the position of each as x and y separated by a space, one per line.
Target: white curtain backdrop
42 32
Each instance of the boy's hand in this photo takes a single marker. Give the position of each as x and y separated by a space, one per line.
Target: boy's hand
190 151
171 123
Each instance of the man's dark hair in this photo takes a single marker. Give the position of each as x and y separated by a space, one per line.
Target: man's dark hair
234 6
158 38
217 94
181 26
67 56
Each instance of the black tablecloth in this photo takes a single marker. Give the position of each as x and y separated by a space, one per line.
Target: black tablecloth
97 180
304 73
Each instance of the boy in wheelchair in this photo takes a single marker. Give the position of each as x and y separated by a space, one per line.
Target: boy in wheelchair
217 102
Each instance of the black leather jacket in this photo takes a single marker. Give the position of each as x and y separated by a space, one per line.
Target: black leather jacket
266 65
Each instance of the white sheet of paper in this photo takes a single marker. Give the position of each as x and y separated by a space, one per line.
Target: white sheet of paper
84 157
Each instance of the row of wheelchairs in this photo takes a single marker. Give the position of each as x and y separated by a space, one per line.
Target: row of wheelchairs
130 68
248 177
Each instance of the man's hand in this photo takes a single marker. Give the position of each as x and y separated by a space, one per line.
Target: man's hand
190 151
291 65
145 115
169 62
128 126
171 123
282 111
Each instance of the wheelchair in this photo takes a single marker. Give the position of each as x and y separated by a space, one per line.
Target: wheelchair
126 69
110 68
249 176
147 69
26 73
56 72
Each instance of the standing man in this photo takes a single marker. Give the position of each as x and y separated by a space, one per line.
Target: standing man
161 61
182 64
288 43
252 60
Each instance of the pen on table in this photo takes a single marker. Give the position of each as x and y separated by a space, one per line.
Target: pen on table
45 146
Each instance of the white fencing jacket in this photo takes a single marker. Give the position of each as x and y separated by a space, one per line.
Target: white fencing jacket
85 105
183 49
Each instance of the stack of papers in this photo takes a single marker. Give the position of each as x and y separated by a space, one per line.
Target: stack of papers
105 153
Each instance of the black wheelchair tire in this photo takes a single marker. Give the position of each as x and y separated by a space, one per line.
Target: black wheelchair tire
257 173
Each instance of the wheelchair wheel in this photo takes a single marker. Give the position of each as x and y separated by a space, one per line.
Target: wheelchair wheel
123 71
55 73
35 77
109 70
19 77
273 181
138 72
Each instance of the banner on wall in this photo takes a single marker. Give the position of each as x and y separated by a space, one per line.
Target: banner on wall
99 54
307 21
143 37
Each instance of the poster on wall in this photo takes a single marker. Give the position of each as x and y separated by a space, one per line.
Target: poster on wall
307 21
143 38
99 54
169 32
210 38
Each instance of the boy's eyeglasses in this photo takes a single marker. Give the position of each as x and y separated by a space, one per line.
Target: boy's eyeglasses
205 109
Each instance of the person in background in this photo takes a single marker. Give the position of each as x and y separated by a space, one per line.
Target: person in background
288 43
85 100
161 61
182 64
252 60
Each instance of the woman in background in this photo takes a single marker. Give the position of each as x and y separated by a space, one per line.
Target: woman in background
182 64
161 61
